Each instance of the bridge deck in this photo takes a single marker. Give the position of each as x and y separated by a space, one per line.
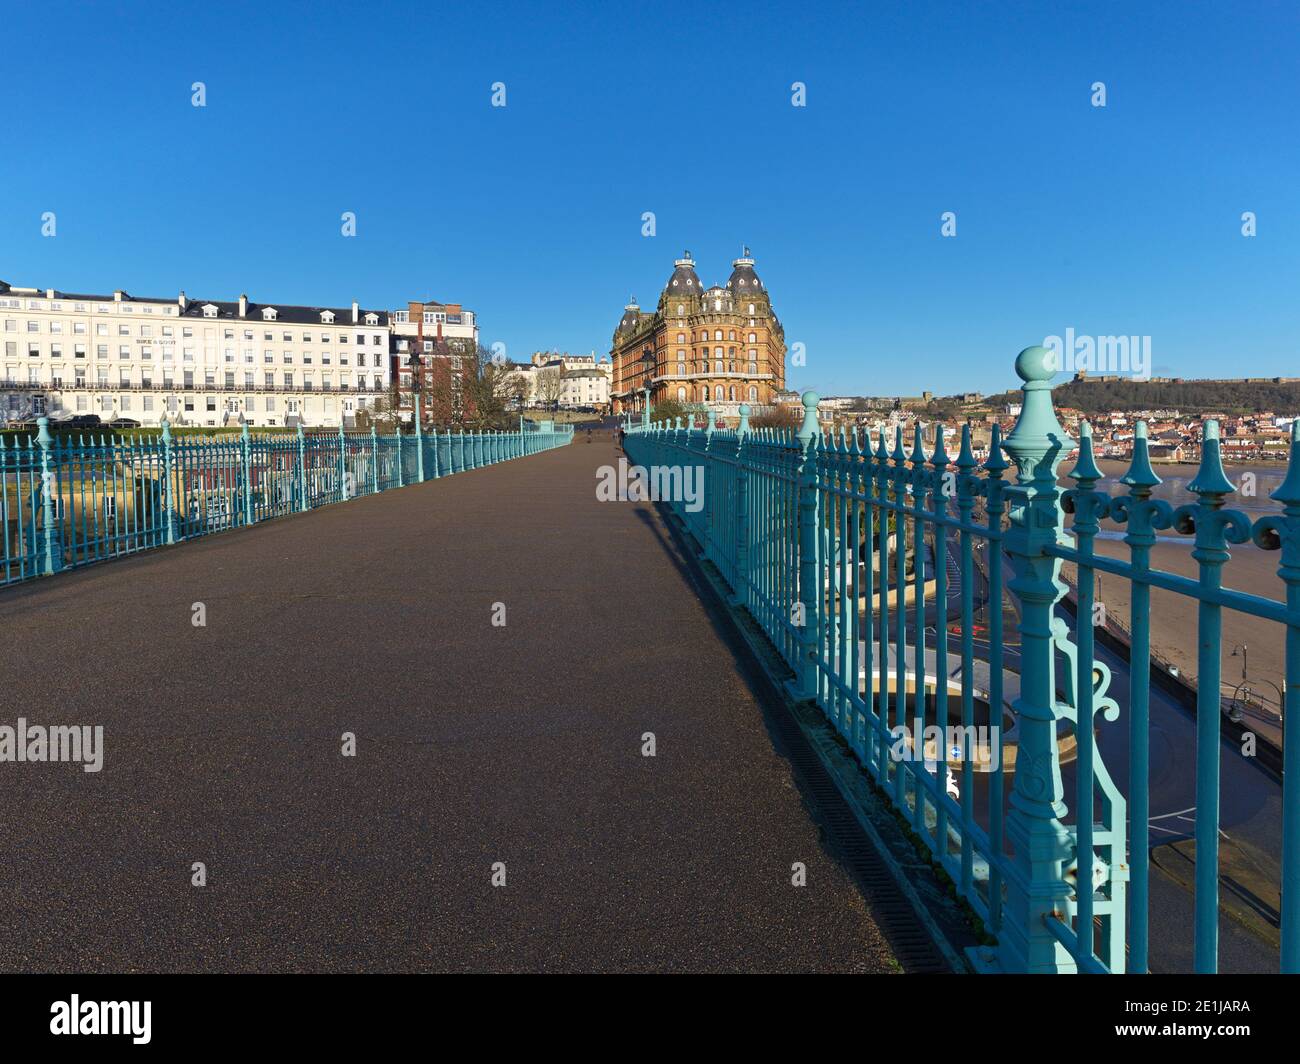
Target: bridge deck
477 744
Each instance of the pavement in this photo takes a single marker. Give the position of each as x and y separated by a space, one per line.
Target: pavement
476 744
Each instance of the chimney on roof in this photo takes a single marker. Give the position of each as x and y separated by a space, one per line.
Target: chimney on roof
243 306
49 293
356 311
182 301
117 296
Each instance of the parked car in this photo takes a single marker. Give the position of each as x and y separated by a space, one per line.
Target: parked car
123 423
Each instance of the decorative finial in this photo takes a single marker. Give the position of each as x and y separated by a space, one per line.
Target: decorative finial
1210 478
1140 474
1085 471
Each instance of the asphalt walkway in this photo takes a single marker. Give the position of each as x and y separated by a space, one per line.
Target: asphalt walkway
476 744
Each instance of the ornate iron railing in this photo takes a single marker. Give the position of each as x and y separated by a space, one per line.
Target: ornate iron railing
853 557
71 500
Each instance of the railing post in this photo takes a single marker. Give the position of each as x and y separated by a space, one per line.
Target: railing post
169 496
1288 495
804 685
741 590
1041 841
419 441
1210 551
246 459
302 469
52 554
374 459
343 465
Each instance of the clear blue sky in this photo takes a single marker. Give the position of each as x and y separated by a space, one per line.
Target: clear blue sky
1122 220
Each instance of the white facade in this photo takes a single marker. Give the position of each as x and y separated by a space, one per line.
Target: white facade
568 380
196 362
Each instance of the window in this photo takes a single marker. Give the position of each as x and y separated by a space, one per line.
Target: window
123 351
33 326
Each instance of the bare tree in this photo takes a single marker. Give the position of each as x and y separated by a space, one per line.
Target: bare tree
550 384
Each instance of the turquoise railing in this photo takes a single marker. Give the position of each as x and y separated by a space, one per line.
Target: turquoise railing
814 535
69 501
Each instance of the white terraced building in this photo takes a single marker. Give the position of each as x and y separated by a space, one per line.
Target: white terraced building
196 362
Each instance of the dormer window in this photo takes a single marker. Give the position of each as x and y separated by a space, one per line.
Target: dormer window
372 319
209 311
327 317
269 313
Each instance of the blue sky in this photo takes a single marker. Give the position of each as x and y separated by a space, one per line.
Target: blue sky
1117 220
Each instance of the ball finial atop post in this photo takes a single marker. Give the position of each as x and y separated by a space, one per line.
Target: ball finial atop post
810 427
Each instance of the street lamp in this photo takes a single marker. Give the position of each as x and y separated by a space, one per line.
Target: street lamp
414 362
1242 648
648 365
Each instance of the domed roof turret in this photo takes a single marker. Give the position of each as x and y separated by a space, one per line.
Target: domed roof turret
743 279
684 282
631 315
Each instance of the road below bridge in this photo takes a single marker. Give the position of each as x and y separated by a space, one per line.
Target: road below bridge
476 744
